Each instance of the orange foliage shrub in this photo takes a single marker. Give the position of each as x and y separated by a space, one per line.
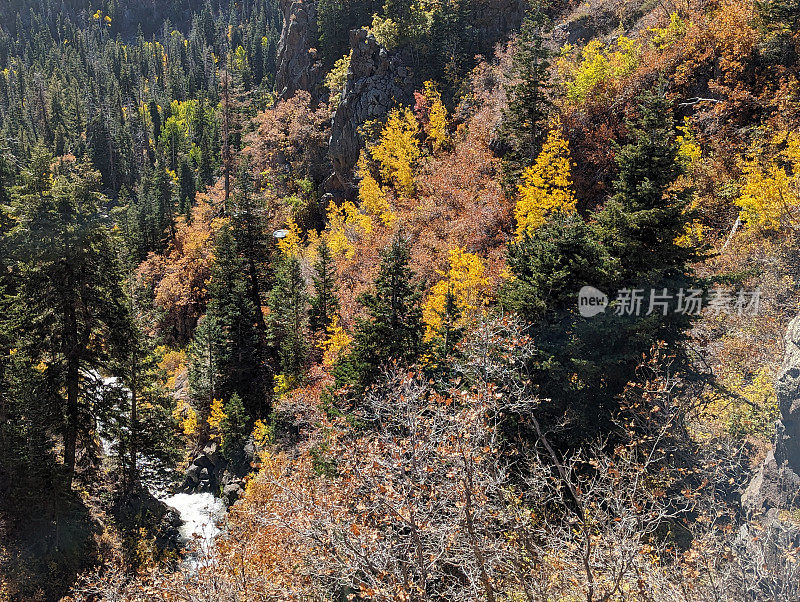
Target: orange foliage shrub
458 202
178 280
291 144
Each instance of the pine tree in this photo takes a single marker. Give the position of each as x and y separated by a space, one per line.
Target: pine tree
234 429
204 363
325 302
525 120
72 312
782 16
583 364
157 209
249 221
550 265
642 222
392 329
289 317
241 355
137 415
155 117
449 330
187 188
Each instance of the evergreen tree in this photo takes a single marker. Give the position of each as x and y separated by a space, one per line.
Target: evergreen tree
204 363
240 350
524 124
73 317
187 189
641 224
137 413
584 364
234 429
782 16
392 329
249 221
155 117
449 332
157 209
325 302
289 317
549 266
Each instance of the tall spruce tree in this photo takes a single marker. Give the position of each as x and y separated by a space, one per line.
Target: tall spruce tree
241 356
73 317
249 221
524 126
641 224
583 364
289 317
325 302
392 329
780 16
136 412
204 363
235 429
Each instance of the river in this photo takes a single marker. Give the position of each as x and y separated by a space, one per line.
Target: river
201 513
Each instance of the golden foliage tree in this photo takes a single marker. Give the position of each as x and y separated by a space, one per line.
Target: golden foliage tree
465 280
398 149
215 418
432 115
179 280
335 343
344 224
371 196
291 244
547 184
770 196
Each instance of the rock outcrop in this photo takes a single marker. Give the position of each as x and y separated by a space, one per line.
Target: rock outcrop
209 471
298 67
776 484
377 81
602 20
139 508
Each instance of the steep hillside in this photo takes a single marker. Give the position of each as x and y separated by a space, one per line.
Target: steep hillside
452 300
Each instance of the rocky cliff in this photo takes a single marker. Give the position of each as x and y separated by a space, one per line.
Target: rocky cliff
377 81
776 485
298 67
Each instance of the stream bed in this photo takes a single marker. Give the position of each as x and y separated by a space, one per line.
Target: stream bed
200 513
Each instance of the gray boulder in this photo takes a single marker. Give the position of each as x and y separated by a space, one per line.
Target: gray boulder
232 492
193 474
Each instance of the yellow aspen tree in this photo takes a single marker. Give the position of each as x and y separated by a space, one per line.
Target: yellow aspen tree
290 245
335 343
436 127
371 196
547 184
186 417
465 279
343 223
215 418
770 196
398 149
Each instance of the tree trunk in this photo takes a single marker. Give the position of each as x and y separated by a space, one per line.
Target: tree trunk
71 427
134 426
